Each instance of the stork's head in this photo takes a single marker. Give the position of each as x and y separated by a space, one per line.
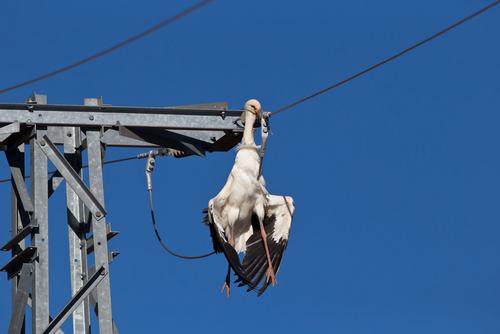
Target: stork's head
252 111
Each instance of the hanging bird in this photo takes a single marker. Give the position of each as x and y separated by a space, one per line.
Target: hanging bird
243 217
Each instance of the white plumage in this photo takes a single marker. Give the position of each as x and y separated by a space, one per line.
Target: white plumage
244 217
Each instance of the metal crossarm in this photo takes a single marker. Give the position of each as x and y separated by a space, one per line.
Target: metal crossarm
187 118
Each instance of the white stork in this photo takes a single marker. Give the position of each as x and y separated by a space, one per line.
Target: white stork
245 218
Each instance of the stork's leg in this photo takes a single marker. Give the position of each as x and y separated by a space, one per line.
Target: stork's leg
227 282
271 276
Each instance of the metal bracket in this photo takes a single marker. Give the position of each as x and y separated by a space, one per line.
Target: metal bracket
14 266
109 235
29 229
165 138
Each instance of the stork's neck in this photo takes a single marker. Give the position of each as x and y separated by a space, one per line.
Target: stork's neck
248 131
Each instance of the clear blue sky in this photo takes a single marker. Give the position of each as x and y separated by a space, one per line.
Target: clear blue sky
396 176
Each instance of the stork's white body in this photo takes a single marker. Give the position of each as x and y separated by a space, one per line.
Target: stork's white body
242 195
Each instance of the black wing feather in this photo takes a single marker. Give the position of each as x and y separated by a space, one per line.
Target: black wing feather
276 263
255 261
220 245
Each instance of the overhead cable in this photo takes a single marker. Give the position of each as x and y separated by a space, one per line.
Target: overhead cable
387 60
112 48
108 162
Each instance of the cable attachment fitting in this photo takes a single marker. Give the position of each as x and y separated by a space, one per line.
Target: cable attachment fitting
264 132
150 166
151 159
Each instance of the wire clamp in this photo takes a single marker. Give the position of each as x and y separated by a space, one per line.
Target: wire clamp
150 166
264 131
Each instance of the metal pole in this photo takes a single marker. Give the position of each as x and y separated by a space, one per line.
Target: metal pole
39 189
16 226
76 232
99 226
17 321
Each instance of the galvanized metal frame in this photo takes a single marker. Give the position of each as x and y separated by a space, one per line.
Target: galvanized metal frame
20 299
18 215
76 231
194 129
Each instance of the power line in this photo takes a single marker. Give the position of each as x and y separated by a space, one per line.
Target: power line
113 48
387 60
279 110
153 217
108 162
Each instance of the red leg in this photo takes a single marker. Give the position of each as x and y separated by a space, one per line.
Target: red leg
227 282
270 272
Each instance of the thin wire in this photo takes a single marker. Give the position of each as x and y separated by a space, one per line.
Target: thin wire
114 161
153 218
389 59
163 244
115 47
108 162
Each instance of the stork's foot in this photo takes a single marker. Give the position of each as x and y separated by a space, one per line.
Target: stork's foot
271 277
227 289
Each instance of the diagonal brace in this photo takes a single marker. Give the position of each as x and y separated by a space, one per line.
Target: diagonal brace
10 129
32 227
19 307
18 178
72 178
77 299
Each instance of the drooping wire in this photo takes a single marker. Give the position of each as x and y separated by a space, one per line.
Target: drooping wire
149 169
387 60
163 244
112 48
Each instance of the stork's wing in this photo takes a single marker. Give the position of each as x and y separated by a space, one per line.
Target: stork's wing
221 245
277 223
